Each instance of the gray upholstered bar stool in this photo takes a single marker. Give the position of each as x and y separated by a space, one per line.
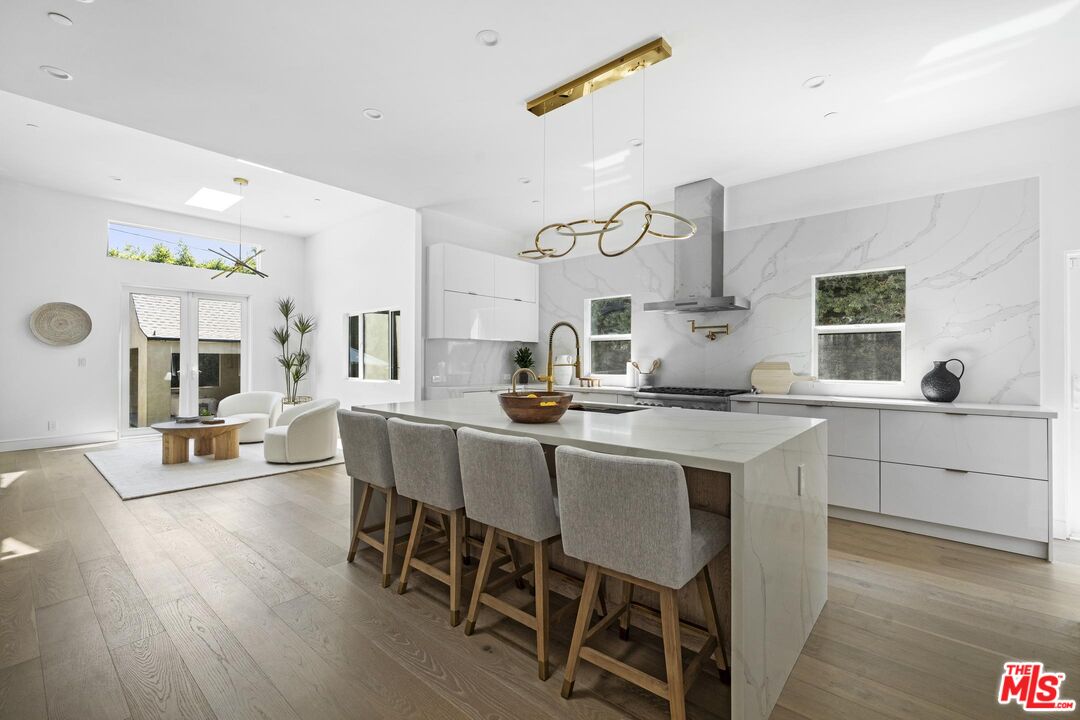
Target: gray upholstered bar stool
507 487
630 518
366 445
427 471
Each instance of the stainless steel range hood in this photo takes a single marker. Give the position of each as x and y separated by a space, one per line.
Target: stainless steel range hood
699 261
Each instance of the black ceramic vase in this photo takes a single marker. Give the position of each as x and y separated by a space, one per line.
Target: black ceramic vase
940 384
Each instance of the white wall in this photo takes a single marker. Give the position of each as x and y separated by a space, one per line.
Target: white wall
53 249
368 263
1046 146
441 227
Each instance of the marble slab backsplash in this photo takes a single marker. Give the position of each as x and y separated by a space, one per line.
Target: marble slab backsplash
471 362
972 261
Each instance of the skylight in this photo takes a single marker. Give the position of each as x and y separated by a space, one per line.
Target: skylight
215 200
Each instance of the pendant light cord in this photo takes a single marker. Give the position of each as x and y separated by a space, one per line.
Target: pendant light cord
592 132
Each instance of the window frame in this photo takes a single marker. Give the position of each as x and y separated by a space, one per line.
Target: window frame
395 346
817 330
586 359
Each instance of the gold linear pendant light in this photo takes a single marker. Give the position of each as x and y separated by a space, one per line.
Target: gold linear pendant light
622 67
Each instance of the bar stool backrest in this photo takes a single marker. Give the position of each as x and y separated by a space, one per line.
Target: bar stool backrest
628 514
366 445
426 463
506 483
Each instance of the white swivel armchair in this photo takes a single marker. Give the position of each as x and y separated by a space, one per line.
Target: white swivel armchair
303 433
260 409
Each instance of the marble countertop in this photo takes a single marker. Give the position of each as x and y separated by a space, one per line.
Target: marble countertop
693 438
533 386
1030 411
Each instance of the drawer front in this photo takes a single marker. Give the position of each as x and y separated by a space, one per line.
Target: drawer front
853 432
744 406
855 483
977 443
598 397
1013 506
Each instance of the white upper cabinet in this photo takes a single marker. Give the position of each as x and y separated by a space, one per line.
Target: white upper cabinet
479 296
515 279
465 270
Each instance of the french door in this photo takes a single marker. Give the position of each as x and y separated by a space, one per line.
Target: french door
182 352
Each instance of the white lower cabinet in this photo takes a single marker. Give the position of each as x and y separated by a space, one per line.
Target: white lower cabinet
855 483
975 476
1012 506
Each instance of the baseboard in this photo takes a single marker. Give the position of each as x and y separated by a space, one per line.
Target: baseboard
58 441
1020 546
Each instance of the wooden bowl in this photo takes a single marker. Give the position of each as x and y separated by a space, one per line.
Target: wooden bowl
527 406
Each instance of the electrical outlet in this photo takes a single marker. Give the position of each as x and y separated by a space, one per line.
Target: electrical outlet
82 362
52 425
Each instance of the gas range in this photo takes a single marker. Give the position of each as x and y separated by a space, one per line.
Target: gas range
694 398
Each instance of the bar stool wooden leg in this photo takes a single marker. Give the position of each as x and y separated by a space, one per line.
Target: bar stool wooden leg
543 610
414 541
585 606
487 557
627 600
712 621
457 525
515 562
669 620
389 536
365 502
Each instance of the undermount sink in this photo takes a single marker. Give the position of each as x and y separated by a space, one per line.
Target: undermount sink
604 409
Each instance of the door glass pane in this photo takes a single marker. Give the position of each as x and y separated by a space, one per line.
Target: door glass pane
219 352
153 377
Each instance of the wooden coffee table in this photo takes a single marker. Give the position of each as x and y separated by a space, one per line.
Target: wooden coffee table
221 440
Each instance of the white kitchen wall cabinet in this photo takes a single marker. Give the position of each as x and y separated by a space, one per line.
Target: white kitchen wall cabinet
974 473
474 295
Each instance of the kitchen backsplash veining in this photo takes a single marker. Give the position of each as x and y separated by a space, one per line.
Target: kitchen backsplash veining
452 363
972 260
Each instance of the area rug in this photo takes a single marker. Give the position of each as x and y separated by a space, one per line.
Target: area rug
134 468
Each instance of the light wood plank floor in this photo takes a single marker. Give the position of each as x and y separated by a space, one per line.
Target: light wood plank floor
235 602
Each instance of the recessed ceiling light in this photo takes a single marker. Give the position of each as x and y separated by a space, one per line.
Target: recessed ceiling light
535 202
286 216
373 113
261 167
58 73
830 115
635 142
813 83
318 199
117 178
216 200
31 125
487 38
524 180
60 19
87 2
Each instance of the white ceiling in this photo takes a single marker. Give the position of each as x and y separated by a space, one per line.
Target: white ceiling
285 84
53 147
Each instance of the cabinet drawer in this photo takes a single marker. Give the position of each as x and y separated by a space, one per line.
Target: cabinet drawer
853 432
744 406
1011 506
854 483
977 443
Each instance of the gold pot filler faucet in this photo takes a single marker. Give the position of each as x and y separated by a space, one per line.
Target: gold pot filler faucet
549 378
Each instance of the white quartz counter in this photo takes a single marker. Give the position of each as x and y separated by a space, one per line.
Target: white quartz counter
1030 411
693 438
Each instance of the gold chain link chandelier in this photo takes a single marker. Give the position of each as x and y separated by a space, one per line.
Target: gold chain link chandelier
587 84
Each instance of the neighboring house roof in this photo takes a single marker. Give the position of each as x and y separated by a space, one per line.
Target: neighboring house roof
159 317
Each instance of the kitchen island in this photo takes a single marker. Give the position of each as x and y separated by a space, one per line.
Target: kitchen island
767 473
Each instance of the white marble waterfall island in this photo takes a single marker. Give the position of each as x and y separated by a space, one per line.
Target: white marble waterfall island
768 473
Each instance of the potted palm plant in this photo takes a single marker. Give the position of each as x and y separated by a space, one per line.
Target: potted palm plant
294 363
